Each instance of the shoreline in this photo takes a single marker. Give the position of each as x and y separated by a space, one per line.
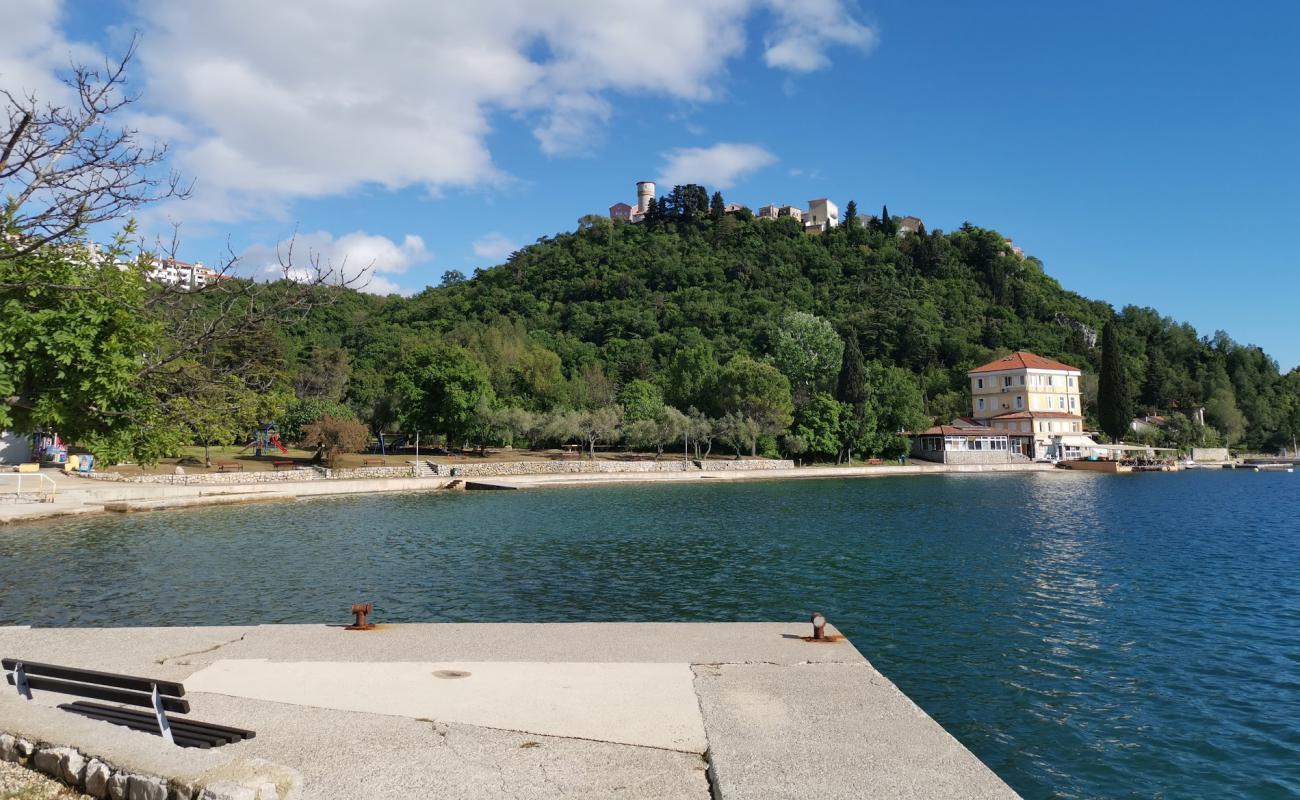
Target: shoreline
95 497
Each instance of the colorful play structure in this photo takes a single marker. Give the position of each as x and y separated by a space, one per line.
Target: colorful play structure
265 438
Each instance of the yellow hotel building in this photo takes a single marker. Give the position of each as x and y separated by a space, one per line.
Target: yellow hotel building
1026 394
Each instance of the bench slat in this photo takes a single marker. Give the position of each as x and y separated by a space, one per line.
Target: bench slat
178 706
143 722
165 688
192 726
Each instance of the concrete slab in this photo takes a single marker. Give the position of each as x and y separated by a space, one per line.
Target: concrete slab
782 718
820 731
650 705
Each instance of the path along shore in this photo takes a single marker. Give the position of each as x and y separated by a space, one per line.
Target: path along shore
671 711
76 495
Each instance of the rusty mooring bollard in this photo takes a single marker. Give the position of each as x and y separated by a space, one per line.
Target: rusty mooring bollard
359 611
819 626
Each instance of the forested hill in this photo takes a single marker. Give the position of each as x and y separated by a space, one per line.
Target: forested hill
569 320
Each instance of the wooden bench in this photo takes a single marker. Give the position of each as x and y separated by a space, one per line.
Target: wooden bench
160 697
222 466
373 462
279 465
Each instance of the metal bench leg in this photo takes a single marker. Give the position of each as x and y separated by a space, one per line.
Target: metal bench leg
20 681
164 727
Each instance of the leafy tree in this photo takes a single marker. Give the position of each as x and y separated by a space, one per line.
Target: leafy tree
691 376
717 209
301 412
702 431
641 400
741 432
599 425
334 437
1115 409
808 351
1221 411
757 392
897 407
818 425
442 387
665 427
219 413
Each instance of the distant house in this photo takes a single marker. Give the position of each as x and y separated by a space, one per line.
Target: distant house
822 215
1015 249
775 211
1148 423
731 208
908 225
621 211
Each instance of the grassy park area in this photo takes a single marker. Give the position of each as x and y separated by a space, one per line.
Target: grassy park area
191 459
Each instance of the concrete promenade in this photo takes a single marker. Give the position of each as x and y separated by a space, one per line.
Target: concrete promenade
77 496
582 710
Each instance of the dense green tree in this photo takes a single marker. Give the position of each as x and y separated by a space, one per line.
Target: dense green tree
1114 404
808 352
756 391
442 388
641 400
897 409
818 424
301 412
717 208
851 214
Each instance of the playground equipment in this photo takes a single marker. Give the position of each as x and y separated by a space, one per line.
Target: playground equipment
387 442
265 438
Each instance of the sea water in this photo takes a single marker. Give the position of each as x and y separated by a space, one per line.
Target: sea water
1084 635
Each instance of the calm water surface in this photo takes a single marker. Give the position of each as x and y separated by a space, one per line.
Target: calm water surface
1084 635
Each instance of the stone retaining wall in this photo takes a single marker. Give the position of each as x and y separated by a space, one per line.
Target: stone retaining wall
504 468
99 779
221 478
466 470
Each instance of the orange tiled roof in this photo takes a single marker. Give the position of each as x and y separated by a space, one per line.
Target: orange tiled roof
1022 360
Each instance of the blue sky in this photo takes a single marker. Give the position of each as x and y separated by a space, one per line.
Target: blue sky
1145 152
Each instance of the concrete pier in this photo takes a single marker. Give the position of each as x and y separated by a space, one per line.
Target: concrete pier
589 710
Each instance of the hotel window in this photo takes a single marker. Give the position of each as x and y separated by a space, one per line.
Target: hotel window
1022 380
1073 400
1071 383
1061 401
981 403
1006 380
979 383
1020 402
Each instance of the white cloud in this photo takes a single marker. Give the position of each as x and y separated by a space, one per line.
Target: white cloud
718 166
805 30
365 260
33 50
266 103
494 246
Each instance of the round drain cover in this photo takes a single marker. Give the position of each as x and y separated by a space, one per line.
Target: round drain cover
450 673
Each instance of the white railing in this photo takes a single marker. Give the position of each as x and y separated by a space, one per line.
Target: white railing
32 484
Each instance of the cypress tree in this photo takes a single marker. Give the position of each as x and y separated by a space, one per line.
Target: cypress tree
851 387
716 207
887 222
851 390
850 214
1114 404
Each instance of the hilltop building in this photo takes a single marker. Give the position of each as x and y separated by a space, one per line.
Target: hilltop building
645 192
822 215
908 225
1023 406
775 212
182 274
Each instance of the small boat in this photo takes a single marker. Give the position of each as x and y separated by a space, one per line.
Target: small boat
1274 468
